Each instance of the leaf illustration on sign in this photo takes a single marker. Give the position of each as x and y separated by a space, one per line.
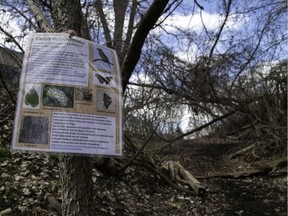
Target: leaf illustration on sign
32 98
107 100
103 79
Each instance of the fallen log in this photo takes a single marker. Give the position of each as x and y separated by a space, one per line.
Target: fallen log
267 168
178 173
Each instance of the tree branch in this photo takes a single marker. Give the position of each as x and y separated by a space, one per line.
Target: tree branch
198 129
144 27
200 6
139 151
11 38
99 8
129 30
43 23
25 17
120 8
221 28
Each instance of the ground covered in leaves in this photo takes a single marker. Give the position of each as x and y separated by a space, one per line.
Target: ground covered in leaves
28 180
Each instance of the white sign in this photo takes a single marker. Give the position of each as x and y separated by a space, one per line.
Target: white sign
70 97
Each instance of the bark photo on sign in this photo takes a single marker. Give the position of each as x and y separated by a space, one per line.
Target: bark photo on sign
34 130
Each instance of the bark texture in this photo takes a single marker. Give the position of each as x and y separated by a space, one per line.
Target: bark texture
77 185
76 171
67 14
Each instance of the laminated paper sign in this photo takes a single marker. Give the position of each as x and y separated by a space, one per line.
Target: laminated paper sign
70 97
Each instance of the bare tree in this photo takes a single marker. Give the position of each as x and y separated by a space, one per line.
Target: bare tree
224 76
77 198
217 73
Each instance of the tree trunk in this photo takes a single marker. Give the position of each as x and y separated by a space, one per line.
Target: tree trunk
77 186
76 171
67 14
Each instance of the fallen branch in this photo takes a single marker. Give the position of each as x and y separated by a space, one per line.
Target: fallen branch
164 177
242 151
6 211
196 130
178 173
251 149
267 168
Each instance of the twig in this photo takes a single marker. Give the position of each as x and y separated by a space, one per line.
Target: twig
200 6
139 151
221 29
198 129
11 38
25 17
